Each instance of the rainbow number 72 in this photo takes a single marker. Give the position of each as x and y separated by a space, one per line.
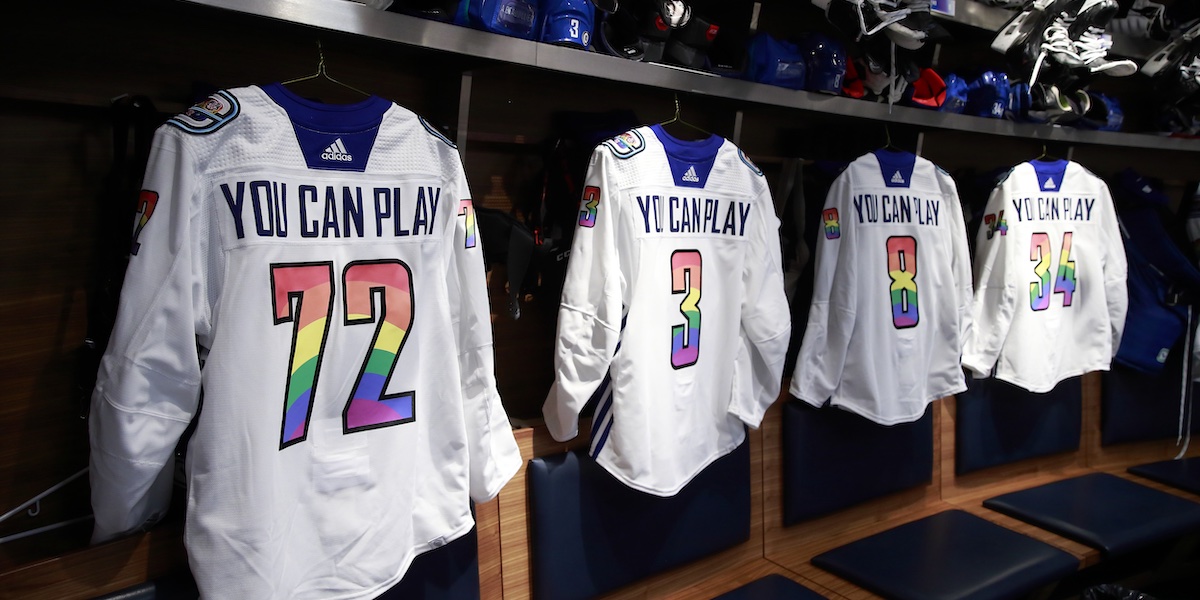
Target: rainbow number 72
303 294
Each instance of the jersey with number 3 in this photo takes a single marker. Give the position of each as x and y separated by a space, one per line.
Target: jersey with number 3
673 313
891 294
322 263
1050 274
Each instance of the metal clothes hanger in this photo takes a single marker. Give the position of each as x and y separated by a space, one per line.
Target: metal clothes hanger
322 73
679 119
887 144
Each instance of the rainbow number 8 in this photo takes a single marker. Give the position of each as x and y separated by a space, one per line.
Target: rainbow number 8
685 279
902 269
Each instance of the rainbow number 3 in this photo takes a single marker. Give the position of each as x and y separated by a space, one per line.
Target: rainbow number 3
1064 283
685 279
303 294
902 269
588 206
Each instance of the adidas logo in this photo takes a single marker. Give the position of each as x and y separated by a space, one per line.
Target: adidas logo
897 177
1049 183
337 151
691 175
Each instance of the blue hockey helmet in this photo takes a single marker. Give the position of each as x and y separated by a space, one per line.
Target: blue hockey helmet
775 62
987 96
568 22
516 18
956 95
826 61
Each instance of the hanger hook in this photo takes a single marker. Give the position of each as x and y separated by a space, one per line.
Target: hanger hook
677 105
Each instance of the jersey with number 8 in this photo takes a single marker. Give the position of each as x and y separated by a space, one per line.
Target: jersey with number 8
891 291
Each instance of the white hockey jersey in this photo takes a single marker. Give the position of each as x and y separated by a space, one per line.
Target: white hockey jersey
891 294
323 262
1050 273
673 309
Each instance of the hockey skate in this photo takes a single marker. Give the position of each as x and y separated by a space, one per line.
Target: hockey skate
1025 25
1090 45
1074 40
859 18
1171 53
917 27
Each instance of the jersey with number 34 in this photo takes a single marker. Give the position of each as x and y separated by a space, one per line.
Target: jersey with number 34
1050 274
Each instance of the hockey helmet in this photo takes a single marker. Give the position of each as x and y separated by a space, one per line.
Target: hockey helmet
775 62
516 18
568 23
956 95
987 96
826 61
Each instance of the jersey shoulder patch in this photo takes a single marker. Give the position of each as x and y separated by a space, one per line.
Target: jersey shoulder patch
627 144
746 161
208 115
435 133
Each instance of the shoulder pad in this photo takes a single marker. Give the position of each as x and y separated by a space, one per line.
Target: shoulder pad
627 144
209 114
753 167
435 133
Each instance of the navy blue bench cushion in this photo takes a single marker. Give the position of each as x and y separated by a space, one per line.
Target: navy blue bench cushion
833 459
589 533
1135 407
1103 511
771 587
952 555
176 586
999 423
447 573
1183 474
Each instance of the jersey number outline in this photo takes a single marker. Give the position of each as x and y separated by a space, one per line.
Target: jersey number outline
589 206
146 202
1065 281
466 209
686 268
303 294
902 269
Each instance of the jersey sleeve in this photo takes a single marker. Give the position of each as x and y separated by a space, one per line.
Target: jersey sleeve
766 323
831 316
491 448
1115 270
995 301
589 317
148 385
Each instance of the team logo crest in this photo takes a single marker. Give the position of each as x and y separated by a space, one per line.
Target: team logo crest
627 144
833 228
208 115
749 163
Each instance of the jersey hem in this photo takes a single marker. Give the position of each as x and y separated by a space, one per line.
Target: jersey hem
414 552
903 418
612 470
1042 389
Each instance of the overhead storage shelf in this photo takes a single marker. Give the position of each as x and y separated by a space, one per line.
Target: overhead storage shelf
354 18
